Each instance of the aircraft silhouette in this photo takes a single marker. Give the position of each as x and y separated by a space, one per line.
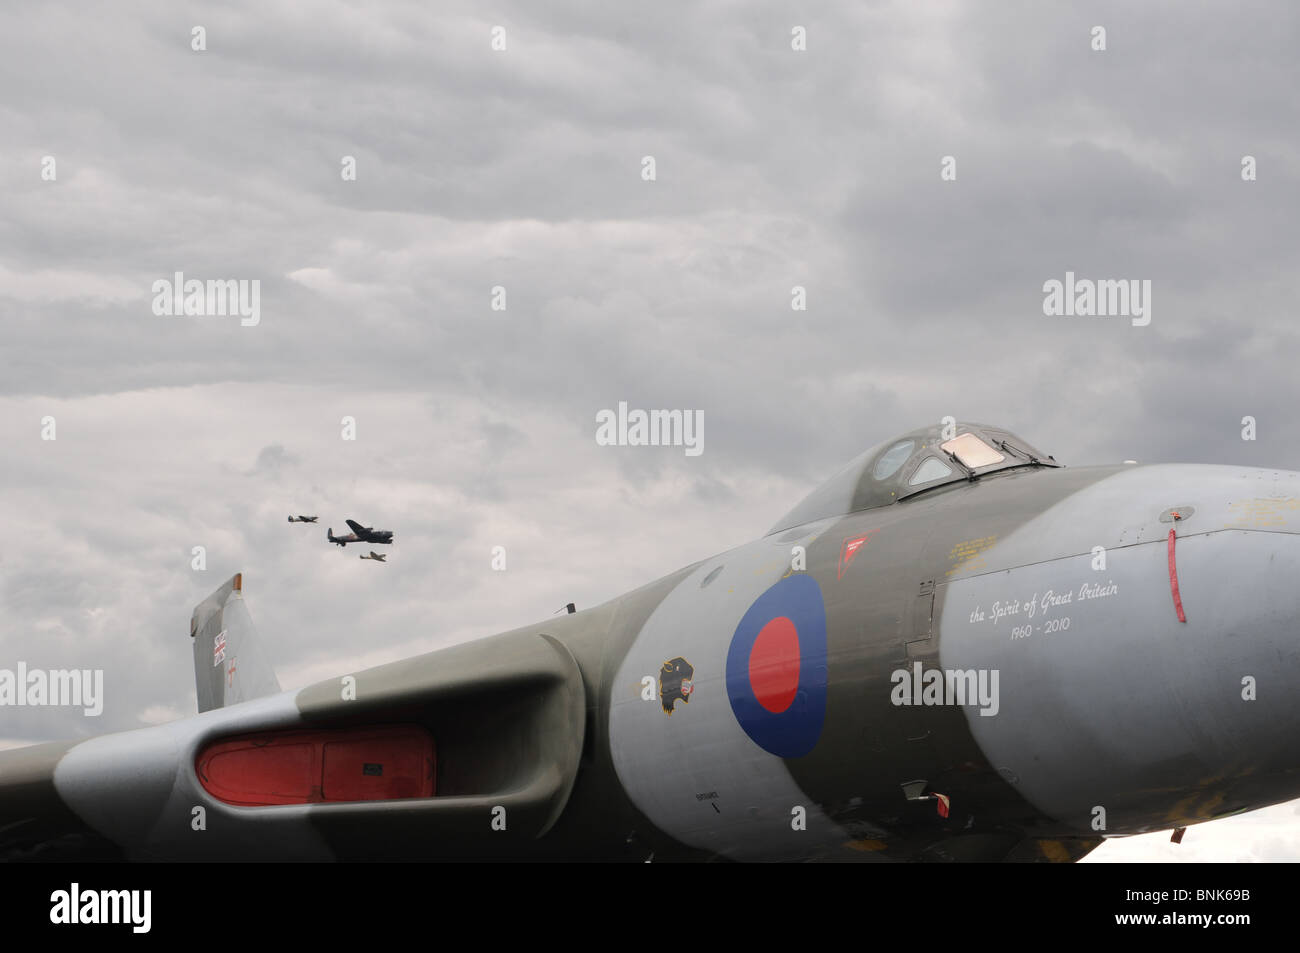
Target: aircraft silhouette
360 534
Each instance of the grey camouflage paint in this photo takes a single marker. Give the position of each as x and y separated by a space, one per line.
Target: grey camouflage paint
1125 709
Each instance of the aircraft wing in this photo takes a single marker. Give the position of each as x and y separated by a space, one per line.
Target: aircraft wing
356 527
343 769
389 763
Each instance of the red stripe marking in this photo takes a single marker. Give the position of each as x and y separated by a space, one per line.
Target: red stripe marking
1173 580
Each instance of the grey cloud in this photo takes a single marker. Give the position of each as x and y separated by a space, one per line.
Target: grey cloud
522 169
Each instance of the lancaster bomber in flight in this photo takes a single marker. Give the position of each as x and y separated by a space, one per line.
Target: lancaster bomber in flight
360 534
954 649
303 519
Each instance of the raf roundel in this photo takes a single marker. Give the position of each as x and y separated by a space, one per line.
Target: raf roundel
776 668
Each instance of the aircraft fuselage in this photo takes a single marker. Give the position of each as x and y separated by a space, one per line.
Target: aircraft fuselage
993 668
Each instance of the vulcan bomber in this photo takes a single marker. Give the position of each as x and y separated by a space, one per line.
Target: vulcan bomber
954 649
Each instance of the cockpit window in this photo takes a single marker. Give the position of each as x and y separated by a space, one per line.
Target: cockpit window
972 451
911 464
931 469
892 459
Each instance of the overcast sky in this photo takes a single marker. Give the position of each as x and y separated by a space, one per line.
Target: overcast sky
523 168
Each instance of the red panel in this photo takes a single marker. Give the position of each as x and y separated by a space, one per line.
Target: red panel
281 771
301 767
396 764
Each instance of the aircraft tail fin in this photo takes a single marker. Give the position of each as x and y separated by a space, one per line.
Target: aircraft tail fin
229 666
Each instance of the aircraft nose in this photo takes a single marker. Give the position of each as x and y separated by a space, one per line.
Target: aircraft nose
1108 700
1214 694
1232 668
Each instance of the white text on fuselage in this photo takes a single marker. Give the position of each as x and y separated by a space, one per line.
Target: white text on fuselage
1035 605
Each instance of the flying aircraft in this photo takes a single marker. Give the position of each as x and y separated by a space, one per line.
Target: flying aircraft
360 534
954 649
303 519
379 557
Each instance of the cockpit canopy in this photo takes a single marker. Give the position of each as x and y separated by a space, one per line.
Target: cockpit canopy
913 463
